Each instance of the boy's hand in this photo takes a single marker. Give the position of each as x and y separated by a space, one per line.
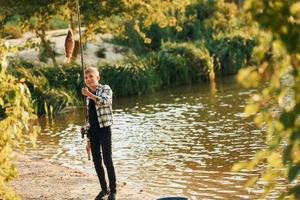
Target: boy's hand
85 91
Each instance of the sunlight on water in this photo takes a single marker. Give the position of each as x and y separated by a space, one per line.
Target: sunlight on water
175 142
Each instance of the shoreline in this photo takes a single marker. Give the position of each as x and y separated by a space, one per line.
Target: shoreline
42 179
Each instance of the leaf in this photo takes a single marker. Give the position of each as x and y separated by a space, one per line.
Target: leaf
268 176
238 166
278 126
258 120
46 108
251 109
22 80
248 77
251 181
147 40
295 135
293 172
286 154
287 118
297 108
295 8
295 191
275 160
10 95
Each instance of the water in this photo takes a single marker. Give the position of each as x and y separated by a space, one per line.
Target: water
181 141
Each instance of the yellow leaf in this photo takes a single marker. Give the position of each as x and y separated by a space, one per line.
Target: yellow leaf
179 28
238 166
251 109
295 8
278 126
248 77
251 182
275 160
147 40
256 97
172 21
261 155
136 27
258 120
268 176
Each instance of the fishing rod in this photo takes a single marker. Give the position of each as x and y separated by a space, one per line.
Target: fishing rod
80 41
88 145
69 48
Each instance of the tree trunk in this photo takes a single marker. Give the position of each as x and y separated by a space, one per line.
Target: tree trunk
45 43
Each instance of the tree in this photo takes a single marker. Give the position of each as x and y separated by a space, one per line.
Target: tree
35 17
16 123
277 106
97 16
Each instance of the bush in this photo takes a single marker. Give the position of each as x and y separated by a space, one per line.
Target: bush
229 36
57 23
52 88
65 77
231 54
133 40
16 116
45 54
136 77
194 24
183 63
12 31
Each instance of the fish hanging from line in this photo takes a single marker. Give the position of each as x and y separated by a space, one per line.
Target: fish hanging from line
69 46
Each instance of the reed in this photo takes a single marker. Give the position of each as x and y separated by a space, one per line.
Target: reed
135 76
52 89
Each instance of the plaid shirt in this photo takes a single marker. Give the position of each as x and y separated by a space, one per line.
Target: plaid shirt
103 106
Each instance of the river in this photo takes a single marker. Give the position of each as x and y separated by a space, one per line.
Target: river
180 141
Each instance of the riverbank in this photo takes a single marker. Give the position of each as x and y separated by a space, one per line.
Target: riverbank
42 179
91 52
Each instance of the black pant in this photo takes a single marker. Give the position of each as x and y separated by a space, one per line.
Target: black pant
100 139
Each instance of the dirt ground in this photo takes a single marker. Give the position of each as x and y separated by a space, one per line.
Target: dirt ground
41 179
57 37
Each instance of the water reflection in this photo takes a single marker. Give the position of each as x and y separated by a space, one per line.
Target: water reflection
178 142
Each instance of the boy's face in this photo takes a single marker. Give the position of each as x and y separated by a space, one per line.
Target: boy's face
91 79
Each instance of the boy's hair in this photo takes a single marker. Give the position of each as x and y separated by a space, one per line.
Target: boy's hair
92 70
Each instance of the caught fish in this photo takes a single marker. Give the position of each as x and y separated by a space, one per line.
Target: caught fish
88 149
69 46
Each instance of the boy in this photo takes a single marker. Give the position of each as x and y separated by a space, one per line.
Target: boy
98 127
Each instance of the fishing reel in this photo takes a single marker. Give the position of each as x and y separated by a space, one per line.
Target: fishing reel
83 132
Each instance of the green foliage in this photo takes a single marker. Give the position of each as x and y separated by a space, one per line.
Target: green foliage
35 17
97 16
131 77
228 34
16 124
287 27
224 19
174 64
44 54
231 54
57 23
183 63
147 25
202 20
52 88
70 78
276 107
12 31
133 40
